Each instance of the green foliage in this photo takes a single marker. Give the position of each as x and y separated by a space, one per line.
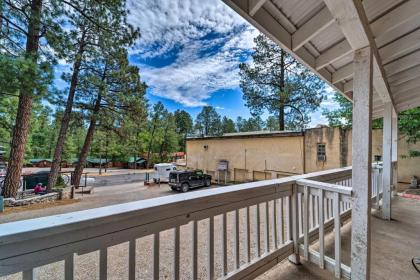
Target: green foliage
272 123
342 116
208 122
274 81
251 124
228 125
409 124
184 126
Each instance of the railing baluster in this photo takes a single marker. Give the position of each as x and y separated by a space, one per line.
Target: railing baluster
312 210
337 235
103 263
224 241
378 182
267 229
258 232
305 218
316 210
300 212
289 218
195 250
28 274
321 228
282 237
132 259
248 234
156 248
294 227
211 248
69 267
274 228
237 240
176 252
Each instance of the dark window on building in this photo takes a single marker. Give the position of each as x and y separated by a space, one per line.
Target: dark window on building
320 152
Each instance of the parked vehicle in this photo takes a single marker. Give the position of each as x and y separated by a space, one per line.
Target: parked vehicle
186 179
162 171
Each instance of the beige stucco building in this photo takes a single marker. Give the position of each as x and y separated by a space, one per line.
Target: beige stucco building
264 155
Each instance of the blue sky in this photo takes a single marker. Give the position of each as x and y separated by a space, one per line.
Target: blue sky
189 54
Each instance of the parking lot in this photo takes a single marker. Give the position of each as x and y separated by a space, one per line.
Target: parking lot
102 196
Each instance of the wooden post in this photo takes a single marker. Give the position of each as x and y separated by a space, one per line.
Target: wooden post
387 161
395 151
361 175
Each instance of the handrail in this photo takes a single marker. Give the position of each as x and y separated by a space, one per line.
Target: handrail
40 227
324 186
36 242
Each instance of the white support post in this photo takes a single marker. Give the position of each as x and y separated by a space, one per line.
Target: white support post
387 161
361 175
294 258
395 151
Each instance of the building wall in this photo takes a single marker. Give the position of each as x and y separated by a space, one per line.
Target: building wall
339 151
333 140
281 155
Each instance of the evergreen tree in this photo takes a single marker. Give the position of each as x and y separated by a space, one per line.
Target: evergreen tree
272 124
208 122
23 25
184 126
228 125
275 81
110 93
155 122
96 27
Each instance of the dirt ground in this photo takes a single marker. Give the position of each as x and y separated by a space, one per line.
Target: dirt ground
102 196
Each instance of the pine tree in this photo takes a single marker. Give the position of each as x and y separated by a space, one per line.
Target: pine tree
276 82
184 126
96 27
112 92
208 122
23 24
228 125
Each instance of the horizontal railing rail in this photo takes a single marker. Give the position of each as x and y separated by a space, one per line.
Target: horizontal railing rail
265 221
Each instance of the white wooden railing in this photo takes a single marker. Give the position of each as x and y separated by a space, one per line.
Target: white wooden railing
252 226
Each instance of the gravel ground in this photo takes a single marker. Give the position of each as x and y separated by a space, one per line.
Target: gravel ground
87 265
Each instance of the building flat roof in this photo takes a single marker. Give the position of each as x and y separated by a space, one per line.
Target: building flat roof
250 134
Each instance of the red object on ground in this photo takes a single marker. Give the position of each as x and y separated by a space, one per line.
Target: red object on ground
413 196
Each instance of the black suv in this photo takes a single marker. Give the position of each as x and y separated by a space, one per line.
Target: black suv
183 180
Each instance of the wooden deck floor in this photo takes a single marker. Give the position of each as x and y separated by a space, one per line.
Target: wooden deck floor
394 243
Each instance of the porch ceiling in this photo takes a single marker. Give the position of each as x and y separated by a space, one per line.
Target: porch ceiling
323 34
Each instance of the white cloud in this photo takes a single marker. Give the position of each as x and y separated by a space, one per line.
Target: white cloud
180 26
167 23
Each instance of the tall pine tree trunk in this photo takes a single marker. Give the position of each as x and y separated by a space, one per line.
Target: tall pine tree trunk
21 128
281 108
149 149
55 166
88 142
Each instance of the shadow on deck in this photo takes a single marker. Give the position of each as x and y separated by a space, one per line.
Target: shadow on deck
394 244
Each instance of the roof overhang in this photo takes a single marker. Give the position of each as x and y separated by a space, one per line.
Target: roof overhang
323 35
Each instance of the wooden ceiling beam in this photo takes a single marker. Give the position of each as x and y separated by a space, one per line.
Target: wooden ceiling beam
254 6
333 54
351 18
311 28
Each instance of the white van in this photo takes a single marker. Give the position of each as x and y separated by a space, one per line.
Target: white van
162 171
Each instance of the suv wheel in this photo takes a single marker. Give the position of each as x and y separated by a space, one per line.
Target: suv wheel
207 182
185 187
